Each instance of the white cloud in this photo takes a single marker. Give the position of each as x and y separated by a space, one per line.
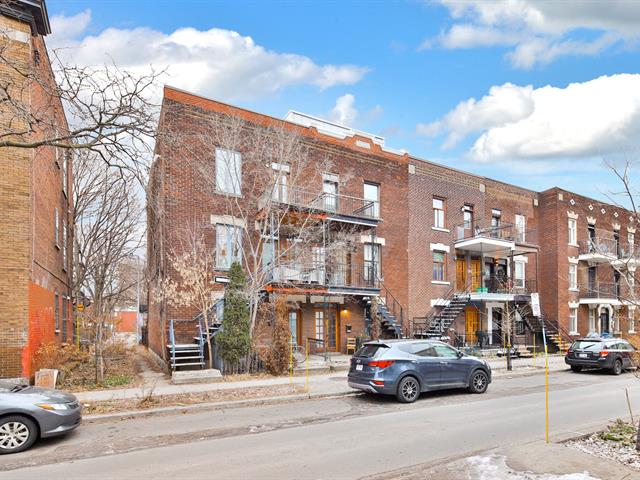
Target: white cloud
503 105
344 112
216 62
596 118
539 32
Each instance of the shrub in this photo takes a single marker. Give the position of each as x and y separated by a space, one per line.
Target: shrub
235 340
278 355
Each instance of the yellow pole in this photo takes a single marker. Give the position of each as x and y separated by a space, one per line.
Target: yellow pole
291 360
306 361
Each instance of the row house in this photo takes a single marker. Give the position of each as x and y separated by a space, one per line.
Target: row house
35 199
333 235
438 252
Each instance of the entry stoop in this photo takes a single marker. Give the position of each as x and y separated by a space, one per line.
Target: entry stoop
182 377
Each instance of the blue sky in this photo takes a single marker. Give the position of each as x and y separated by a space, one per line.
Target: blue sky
533 93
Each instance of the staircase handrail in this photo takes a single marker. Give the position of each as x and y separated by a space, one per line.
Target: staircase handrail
435 315
172 340
397 310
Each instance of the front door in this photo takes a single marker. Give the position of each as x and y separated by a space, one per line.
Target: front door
604 321
461 274
476 274
327 330
472 323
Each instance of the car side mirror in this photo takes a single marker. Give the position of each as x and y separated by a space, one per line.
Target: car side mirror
460 354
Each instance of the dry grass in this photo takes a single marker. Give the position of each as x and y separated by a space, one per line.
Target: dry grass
148 400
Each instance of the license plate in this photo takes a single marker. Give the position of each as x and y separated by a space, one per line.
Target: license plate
358 367
582 355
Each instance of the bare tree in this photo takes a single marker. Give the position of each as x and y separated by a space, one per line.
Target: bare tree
192 284
107 234
109 110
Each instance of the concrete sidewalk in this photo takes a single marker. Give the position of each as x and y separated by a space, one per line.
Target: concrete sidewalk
326 384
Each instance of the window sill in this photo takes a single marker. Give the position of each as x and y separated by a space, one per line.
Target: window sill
632 332
575 334
438 229
573 245
439 282
57 246
228 194
577 290
57 331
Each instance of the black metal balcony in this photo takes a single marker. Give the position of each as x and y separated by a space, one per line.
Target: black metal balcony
332 276
600 291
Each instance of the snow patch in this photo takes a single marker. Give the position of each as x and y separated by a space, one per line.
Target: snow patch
494 467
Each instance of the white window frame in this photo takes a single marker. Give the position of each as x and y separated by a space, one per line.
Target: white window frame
521 227
375 211
593 325
64 243
631 320
572 226
280 182
228 177
231 236
573 276
444 266
372 253
56 227
319 321
439 220
519 277
573 321
631 238
56 312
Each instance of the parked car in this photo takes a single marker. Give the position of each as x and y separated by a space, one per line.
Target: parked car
28 413
614 354
406 368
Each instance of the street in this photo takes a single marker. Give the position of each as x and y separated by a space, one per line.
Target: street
347 437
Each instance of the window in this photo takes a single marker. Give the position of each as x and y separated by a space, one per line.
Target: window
573 276
372 194
519 279
439 268
573 320
65 170
56 312
520 325
438 213
496 217
631 320
330 191
592 320
573 232
631 238
228 245
280 182
424 350
467 216
64 243
372 267
521 227
56 228
319 324
445 351
228 171
65 307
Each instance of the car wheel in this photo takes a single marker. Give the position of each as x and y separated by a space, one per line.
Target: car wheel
617 367
479 382
17 433
408 390
576 368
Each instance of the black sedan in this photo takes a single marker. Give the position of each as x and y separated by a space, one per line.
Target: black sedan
613 354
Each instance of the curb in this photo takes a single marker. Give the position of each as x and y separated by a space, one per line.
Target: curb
106 417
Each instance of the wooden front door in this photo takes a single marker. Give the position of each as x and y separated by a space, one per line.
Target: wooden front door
476 274
327 329
461 274
472 325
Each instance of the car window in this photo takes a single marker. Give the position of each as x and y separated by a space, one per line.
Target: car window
426 351
445 351
585 345
369 350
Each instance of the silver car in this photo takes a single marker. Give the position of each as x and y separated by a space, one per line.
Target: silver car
28 413
406 368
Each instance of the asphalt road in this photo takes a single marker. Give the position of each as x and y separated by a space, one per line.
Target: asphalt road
347 437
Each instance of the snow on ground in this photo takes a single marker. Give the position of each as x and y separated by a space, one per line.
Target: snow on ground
494 467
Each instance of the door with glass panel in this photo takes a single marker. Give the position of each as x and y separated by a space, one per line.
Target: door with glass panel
330 192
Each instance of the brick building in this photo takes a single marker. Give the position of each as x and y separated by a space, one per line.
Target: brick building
35 199
445 253
350 195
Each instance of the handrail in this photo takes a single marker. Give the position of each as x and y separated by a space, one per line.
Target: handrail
172 339
397 310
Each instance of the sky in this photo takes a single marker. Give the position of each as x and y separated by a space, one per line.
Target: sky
531 92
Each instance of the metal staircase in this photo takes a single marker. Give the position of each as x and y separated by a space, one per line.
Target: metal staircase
557 337
390 313
437 323
192 354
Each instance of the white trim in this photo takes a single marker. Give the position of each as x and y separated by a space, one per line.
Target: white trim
441 247
574 290
330 177
16 35
591 220
439 302
227 220
438 229
631 229
574 304
573 215
280 167
574 259
438 282
521 259
377 240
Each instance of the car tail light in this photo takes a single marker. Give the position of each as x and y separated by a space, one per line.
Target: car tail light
379 383
604 353
382 363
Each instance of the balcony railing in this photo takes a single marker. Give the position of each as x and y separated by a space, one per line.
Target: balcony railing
501 284
326 275
332 203
600 290
502 231
600 246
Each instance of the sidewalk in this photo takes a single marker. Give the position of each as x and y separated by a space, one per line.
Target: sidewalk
326 384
